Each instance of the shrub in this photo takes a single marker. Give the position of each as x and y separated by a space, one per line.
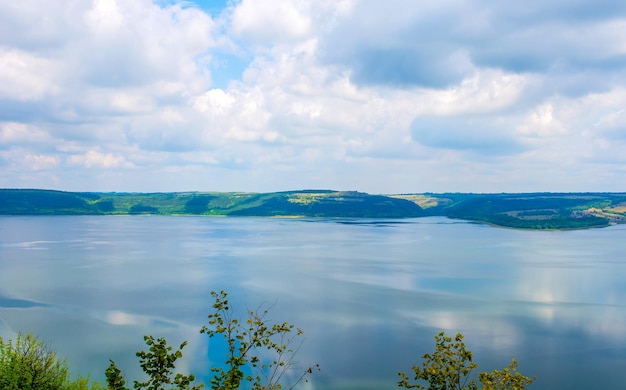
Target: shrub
449 368
30 364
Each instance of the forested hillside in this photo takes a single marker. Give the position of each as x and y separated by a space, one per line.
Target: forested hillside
527 211
284 204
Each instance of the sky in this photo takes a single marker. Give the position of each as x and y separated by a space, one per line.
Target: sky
395 96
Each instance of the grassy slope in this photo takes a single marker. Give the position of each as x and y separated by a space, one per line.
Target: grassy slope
528 211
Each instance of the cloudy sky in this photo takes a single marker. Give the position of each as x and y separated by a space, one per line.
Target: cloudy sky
390 96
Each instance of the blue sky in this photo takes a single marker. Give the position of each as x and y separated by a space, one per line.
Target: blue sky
268 95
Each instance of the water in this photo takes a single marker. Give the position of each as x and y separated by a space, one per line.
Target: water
369 294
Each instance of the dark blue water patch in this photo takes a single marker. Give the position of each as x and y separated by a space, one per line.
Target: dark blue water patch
373 223
6 302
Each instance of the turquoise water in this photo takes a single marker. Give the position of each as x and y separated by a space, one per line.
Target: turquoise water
369 294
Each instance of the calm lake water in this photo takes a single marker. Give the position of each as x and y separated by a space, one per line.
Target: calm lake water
369 294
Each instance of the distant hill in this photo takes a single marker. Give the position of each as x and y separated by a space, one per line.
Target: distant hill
308 203
527 211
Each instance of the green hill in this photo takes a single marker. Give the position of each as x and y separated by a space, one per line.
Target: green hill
285 204
526 211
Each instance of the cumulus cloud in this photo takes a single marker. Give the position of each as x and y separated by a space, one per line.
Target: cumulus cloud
94 158
440 44
271 21
25 76
14 133
111 46
390 97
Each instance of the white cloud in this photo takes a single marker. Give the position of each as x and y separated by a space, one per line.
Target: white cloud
41 162
541 122
96 159
338 94
130 102
27 162
215 102
12 133
485 91
271 21
26 76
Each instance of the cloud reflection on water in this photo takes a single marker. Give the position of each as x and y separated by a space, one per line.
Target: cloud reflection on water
370 297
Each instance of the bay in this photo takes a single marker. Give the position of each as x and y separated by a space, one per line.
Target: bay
369 294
